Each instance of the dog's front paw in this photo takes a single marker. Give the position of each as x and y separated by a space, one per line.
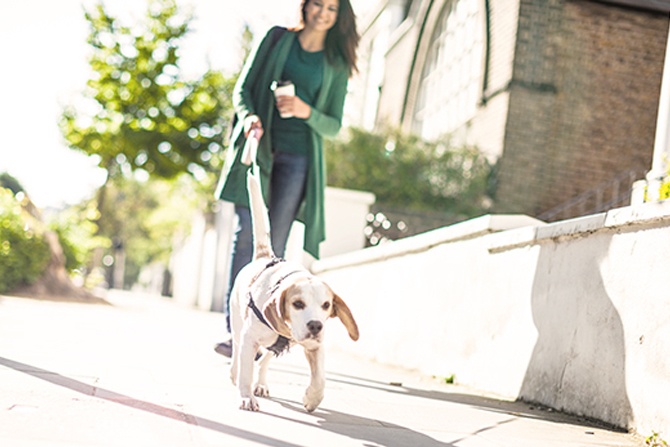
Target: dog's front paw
261 390
312 399
249 404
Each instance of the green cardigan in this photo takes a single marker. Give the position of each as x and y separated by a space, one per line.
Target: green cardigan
252 95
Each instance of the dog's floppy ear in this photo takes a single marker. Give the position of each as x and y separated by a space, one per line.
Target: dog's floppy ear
341 311
275 314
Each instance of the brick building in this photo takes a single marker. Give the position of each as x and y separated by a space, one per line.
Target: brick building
563 94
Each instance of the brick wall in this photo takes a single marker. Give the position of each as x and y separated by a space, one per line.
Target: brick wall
583 100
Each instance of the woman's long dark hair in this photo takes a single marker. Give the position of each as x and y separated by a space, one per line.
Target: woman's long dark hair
342 39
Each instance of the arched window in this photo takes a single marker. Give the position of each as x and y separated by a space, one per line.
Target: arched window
451 81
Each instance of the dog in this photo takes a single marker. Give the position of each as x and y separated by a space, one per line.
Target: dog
275 304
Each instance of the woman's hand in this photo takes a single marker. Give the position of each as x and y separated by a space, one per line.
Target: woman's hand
294 106
253 122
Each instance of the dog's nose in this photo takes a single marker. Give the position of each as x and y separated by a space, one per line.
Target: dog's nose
314 327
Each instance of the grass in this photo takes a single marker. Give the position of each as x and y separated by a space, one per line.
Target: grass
655 441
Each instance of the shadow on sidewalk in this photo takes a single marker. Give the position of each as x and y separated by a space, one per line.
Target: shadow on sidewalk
382 433
121 399
377 432
517 408
371 431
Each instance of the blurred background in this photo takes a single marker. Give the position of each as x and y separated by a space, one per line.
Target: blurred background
114 125
115 118
46 51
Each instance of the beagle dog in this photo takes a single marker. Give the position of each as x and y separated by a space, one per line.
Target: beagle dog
275 304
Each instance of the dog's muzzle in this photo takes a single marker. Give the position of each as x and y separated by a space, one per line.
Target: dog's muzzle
314 327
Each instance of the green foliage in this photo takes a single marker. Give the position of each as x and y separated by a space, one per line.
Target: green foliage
77 231
406 172
247 42
138 113
24 253
450 380
665 191
146 123
9 182
655 441
146 216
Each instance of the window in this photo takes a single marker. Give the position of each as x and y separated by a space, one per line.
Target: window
373 81
451 80
406 8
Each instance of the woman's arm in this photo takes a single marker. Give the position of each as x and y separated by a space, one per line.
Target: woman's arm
328 122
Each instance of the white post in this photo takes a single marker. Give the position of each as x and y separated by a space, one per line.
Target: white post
661 147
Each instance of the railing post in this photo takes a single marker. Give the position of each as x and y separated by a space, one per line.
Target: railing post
661 143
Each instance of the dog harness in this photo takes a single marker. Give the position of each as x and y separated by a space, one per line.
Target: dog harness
283 343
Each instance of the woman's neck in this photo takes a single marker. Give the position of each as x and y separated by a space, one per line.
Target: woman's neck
311 40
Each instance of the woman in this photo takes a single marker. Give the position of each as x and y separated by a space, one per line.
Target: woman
318 56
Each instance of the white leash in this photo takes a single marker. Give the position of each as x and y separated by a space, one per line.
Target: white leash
250 148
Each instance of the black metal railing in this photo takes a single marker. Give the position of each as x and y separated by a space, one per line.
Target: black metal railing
613 193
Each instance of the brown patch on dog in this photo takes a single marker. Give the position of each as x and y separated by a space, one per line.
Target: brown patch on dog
276 315
341 311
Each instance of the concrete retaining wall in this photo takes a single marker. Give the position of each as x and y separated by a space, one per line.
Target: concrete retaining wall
574 315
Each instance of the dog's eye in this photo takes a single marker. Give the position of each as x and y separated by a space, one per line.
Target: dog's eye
298 305
326 305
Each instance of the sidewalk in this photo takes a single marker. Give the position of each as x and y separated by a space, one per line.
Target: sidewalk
142 372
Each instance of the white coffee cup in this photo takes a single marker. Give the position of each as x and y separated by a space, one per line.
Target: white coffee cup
284 88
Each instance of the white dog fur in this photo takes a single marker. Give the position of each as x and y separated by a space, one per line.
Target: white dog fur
294 303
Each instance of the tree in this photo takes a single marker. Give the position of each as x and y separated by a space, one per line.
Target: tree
9 182
78 234
32 260
418 185
146 218
138 113
24 252
404 171
145 121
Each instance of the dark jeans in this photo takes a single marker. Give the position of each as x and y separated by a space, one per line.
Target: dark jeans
287 188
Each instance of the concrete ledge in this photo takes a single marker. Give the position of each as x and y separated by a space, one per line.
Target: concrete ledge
631 215
527 236
572 226
639 214
508 240
490 223
512 231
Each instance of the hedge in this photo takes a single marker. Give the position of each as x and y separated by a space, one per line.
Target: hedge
24 253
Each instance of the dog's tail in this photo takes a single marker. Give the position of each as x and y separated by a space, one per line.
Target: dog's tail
259 216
